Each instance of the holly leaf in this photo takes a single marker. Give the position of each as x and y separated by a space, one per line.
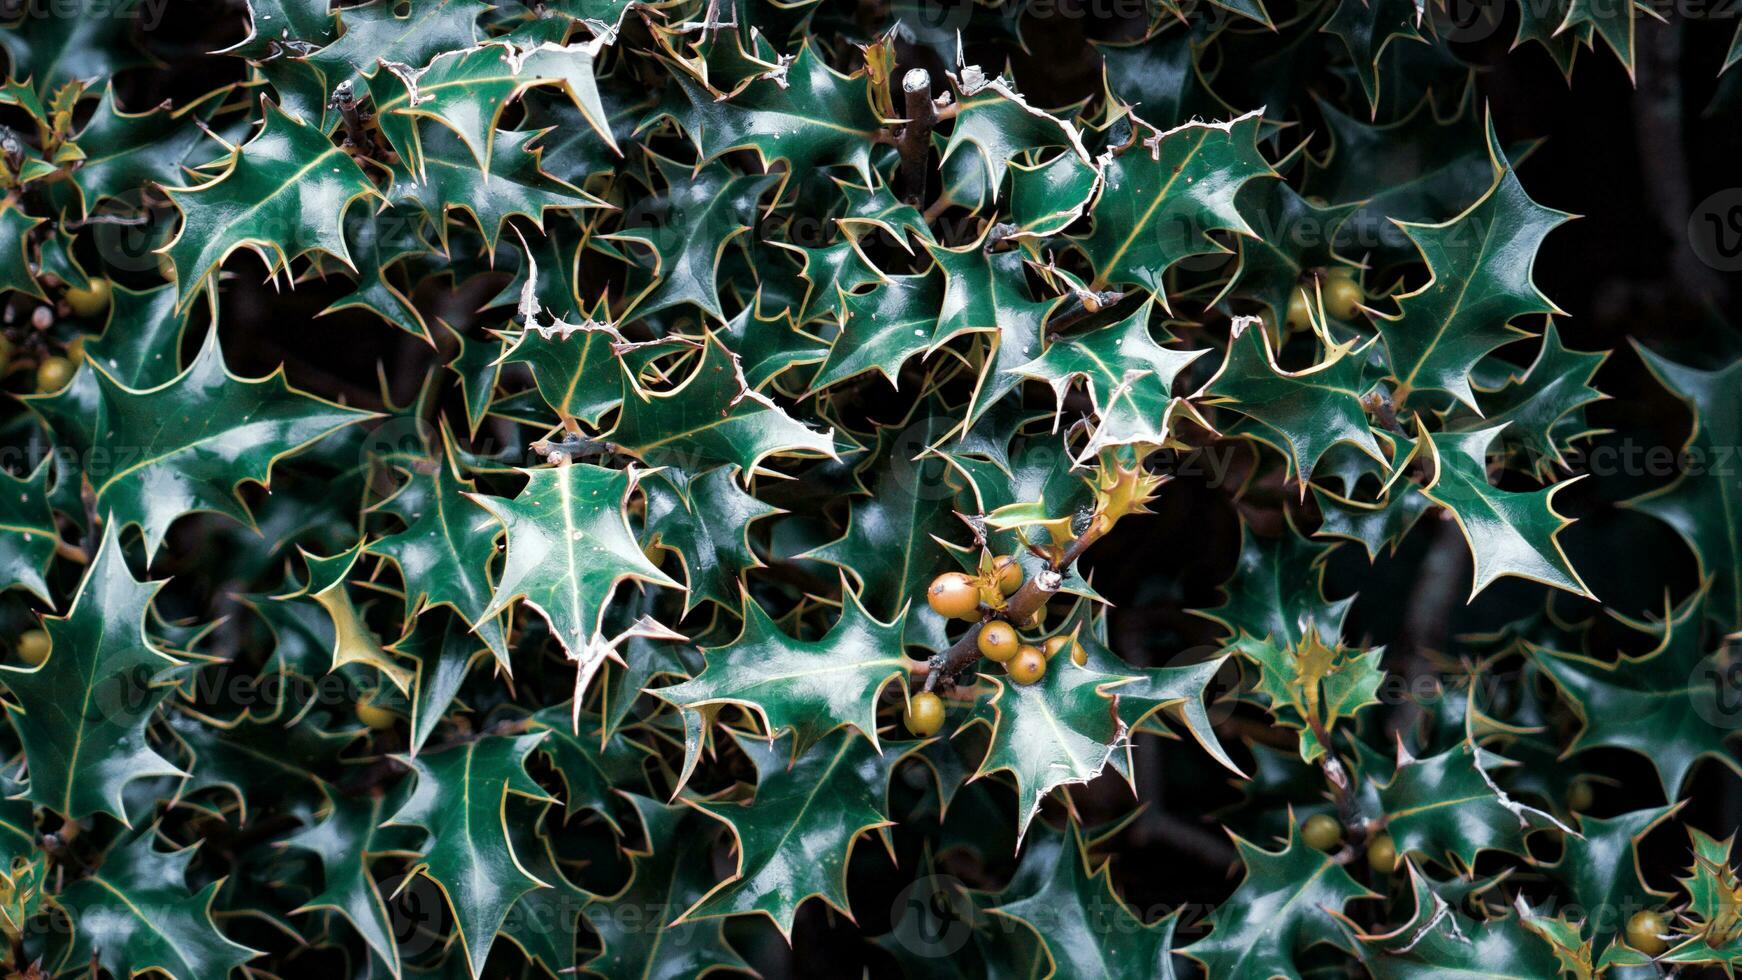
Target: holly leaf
453 181
768 348
890 546
407 33
1665 705
1481 264
1313 684
1072 909
1000 126
884 327
1310 410
1129 378
1541 407
1277 591
668 873
1367 28
461 800
28 535
686 231
15 263
1161 198
796 837
379 241
1440 940
1377 525
345 840
442 654
569 545
1282 908
1700 503
466 90
574 365
1059 731
809 688
711 417
136 914
1509 532
707 525
80 41
82 712
1046 198
1448 804
353 642
281 194
800 112
141 344
986 293
443 553
1294 235
125 151
1600 868
591 768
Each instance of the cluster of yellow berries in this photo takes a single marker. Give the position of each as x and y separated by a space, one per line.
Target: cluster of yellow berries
54 371
1342 296
967 597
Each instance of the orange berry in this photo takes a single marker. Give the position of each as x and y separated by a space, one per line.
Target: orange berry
998 641
954 595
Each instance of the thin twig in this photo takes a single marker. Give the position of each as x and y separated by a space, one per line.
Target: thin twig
915 141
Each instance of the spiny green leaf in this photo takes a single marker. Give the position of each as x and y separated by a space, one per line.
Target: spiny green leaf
82 713
283 193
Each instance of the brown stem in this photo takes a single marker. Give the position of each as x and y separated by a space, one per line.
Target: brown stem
345 100
946 666
1080 307
1337 775
915 141
71 552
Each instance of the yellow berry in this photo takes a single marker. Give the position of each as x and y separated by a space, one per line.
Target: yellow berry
33 647
1645 933
76 350
1300 315
1009 574
5 354
954 595
998 641
1321 831
53 374
1580 797
925 714
1382 854
89 302
1079 656
1028 666
376 717
1342 296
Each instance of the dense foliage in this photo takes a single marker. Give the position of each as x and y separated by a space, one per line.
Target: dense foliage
914 487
